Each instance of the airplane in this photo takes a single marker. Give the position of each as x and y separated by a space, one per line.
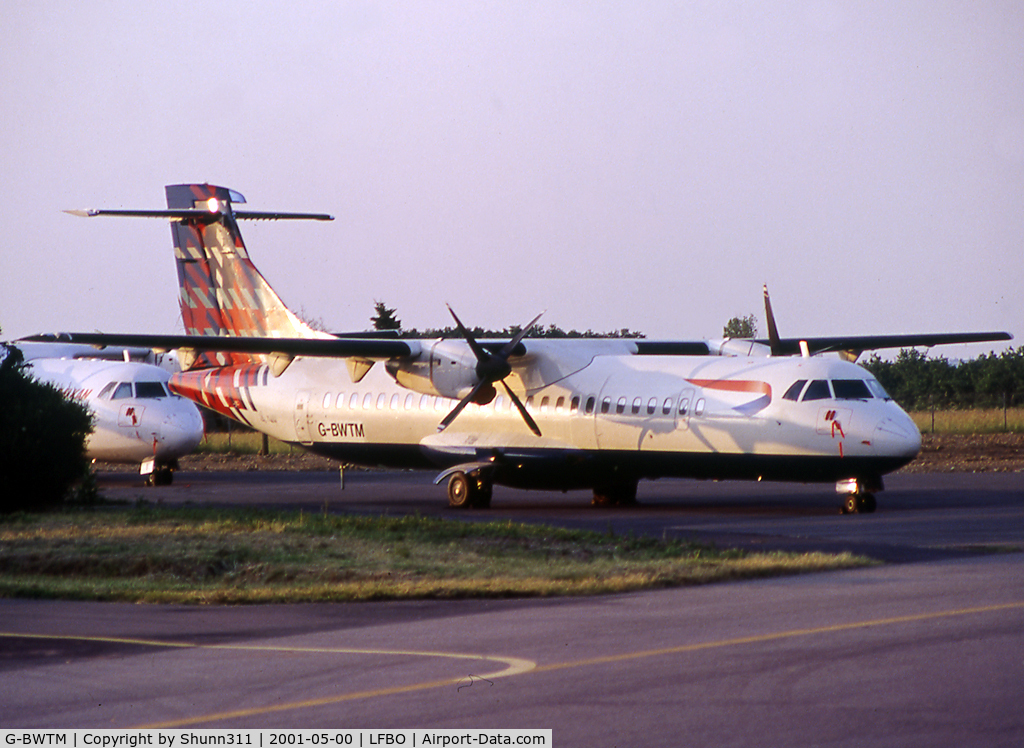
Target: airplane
136 419
598 414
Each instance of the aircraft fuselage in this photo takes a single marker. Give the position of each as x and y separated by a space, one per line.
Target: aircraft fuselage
602 415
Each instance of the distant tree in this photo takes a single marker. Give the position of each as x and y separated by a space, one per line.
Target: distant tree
741 327
316 323
42 439
385 318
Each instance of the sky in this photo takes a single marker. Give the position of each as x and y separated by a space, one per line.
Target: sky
645 164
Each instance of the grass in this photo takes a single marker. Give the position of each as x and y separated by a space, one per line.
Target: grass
147 554
970 421
241 442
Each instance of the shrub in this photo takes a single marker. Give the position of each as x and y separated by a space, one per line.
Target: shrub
42 439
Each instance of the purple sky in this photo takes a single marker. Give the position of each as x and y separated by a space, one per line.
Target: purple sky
638 165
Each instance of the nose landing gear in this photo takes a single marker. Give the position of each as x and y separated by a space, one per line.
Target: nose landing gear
860 497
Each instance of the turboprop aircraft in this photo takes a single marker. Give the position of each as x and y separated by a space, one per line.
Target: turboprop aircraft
136 419
569 414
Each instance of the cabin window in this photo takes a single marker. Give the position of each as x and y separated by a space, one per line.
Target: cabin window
394 401
327 400
354 400
574 404
698 408
439 403
793 393
150 389
620 406
544 404
637 402
666 408
560 405
529 403
124 390
817 390
591 402
382 400
606 405
652 406
684 406
851 389
367 400
341 401
408 401
424 402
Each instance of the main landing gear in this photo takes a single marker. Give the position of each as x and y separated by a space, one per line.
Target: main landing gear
860 497
620 492
469 490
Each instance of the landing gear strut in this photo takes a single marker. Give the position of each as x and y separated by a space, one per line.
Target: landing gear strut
620 492
860 498
469 491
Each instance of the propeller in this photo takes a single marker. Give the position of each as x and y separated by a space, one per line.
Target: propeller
490 368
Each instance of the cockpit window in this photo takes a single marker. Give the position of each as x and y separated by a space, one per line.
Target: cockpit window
793 393
150 389
106 390
877 389
851 389
123 391
817 390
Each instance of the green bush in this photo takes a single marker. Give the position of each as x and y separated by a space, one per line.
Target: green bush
42 439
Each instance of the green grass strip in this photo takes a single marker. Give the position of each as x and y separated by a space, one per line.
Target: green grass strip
173 555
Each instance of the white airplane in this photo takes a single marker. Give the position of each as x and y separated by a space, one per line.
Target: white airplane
136 419
569 414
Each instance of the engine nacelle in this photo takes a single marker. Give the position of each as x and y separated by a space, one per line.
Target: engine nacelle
739 347
447 368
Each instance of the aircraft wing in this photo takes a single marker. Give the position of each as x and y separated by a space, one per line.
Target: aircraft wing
791 346
370 348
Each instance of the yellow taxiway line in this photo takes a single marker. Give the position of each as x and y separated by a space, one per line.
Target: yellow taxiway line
514 665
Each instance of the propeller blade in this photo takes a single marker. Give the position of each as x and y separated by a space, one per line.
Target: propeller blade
506 350
522 409
447 420
480 353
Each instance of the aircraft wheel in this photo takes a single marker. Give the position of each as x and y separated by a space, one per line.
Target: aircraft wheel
851 504
461 490
620 493
867 503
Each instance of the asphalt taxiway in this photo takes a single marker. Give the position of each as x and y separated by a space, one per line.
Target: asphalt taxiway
925 650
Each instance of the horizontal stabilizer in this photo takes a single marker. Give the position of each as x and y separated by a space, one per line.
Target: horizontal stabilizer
201 215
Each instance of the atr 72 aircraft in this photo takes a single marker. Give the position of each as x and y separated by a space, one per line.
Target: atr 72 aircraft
547 414
135 418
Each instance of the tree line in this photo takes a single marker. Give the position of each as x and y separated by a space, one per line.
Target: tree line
385 319
919 382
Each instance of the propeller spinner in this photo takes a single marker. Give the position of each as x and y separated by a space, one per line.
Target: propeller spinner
490 368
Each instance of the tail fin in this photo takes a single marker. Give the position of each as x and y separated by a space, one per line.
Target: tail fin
222 292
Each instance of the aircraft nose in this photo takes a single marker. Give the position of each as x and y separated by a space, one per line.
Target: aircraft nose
180 430
897 436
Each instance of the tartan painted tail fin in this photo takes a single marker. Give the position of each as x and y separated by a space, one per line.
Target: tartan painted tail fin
221 291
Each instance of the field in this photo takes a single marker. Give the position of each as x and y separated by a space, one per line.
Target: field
970 421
